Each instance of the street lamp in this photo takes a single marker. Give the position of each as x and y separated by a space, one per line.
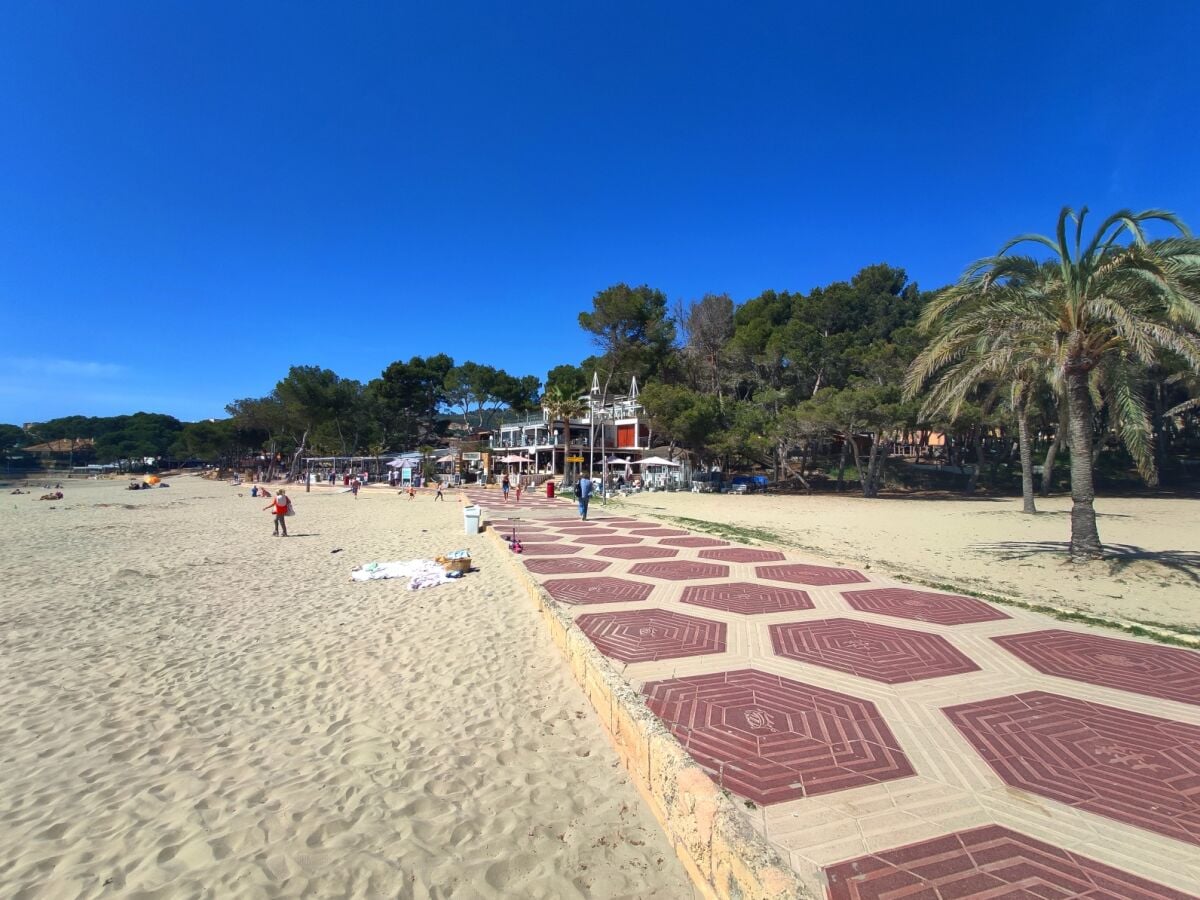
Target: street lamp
592 397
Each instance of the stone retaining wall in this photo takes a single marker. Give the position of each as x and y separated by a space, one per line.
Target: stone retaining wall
723 854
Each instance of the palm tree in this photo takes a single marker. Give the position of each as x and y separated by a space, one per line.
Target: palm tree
1103 312
562 404
990 345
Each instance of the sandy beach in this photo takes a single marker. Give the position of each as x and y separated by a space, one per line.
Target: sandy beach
195 708
986 545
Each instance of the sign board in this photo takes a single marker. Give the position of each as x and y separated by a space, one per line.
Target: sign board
574 459
470 457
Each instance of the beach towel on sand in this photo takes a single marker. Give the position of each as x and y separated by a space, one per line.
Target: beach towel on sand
421 573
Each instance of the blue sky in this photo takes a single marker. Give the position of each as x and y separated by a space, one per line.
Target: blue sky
195 196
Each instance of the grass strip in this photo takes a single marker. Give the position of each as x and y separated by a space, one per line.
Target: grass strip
1176 635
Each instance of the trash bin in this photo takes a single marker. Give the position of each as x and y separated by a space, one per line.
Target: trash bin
471 516
550 489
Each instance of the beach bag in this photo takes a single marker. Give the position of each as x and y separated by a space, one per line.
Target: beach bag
578 491
291 509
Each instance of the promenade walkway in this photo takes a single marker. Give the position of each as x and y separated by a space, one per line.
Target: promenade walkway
892 741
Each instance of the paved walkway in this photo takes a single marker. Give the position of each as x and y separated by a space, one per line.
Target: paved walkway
892 742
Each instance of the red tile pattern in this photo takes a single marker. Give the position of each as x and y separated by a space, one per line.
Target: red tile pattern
986 862
597 590
693 542
879 652
549 549
658 532
644 635
924 606
608 540
506 525
799 573
642 552
584 529
742 555
748 599
567 566
680 570
771 739
1170 673
1138 769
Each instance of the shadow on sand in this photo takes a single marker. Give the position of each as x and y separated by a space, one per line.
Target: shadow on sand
1118 556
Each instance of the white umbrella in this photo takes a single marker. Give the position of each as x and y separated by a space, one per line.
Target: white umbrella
449 457
656 461
513 458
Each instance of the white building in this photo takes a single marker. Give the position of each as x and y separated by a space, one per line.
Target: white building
613 427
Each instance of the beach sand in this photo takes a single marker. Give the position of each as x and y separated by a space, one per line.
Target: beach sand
984 544
195 708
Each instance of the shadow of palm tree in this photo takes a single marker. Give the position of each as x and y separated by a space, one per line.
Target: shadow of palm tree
1119 556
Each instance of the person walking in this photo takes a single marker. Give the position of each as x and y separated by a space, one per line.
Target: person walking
280 506
438 495
583 493
354 487
505 484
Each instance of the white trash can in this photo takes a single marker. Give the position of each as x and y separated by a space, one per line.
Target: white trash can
471 515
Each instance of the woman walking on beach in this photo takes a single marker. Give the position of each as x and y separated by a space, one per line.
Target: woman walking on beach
281 505
505 484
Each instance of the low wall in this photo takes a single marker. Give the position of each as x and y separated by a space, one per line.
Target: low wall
725 857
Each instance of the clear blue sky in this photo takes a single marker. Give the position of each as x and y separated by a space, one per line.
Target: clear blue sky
194 196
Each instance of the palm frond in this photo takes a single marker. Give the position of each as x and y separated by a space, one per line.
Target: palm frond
1132 419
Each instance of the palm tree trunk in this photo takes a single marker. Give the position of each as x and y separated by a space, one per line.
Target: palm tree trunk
1085 538
1026 459
973 480
1048 465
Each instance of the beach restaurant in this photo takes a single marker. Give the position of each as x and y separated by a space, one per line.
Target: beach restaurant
606 425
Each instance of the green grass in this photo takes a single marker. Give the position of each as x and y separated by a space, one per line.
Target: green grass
1155 631
1177 635
732 532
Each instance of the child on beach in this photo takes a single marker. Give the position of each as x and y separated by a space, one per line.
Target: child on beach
438 495
280 506
412 492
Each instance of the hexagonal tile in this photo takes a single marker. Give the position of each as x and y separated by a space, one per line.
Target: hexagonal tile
748 599
742 555
1138 769
800 573
879 652
990 861
608 540
574 531
772 739
522 526
568 566
693 542
923 606
657 531
642 552
549 549
644 635
1170 673
680 570
597 590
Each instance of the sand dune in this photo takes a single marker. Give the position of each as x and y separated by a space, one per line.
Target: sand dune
195 708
